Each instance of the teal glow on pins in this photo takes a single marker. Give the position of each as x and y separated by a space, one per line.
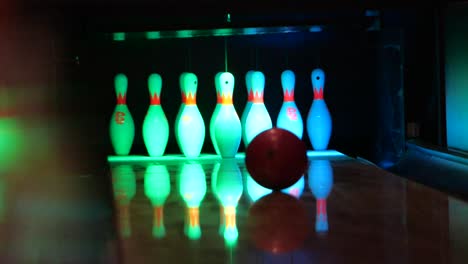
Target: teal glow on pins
122 127
155 124
258 119
289 117
190 126
225 125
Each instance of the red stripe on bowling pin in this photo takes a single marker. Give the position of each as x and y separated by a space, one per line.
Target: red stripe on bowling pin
321 207
289 96
155 99
158 216
318 93
122 99
224 99
255 97
190 99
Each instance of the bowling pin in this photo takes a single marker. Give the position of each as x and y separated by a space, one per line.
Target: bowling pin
229 188
319 123
192 189
321 183
215 113
225 126
189 125
258 119
289 117
248 85
155 124
124 187
157 186
122 127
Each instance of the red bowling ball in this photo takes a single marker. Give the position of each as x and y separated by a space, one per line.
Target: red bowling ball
278 223
276 158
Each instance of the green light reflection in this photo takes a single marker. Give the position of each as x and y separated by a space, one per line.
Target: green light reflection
157 186
184 33
12 143
192 189
118 36
153 35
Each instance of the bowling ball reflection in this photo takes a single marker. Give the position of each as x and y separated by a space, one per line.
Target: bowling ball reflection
278 223
276 158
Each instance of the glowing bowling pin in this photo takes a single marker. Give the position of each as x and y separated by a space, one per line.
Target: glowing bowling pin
289 117
215 113
189 125
122 127
258 118
192 188
229 188
155 125
319 123
124 187
225 124
248 85
157 186
321 184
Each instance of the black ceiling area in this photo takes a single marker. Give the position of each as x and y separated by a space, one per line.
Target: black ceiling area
107 16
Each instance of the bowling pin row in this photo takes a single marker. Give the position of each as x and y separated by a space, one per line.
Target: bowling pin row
226 129
227 185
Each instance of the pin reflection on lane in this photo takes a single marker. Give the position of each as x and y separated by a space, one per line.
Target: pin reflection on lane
157 185
321 183
229 188
192 189
124 186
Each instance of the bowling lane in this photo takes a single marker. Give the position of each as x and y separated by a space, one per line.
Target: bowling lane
340 211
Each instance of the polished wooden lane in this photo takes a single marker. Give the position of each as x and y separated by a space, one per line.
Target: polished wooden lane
373 217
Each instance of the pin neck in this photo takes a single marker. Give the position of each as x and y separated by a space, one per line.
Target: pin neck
121 99
155 99
288 95
255 97
189 98
321 206
193 216
158 216
224 99
230 216
318 93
